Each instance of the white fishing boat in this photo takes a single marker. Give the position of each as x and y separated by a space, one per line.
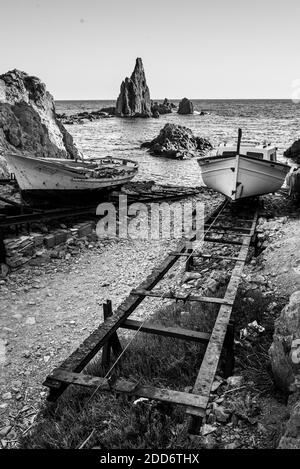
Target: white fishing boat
246 170
68 181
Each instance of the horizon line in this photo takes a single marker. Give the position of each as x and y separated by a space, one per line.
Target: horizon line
191 99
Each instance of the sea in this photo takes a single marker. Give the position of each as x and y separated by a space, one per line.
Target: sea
275 121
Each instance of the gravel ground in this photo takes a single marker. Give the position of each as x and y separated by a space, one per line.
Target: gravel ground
48 310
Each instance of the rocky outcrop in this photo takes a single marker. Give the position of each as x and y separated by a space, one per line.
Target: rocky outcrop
285 349
166 107
176 141
185 107
134 98
293 152
28 122
83 117
291 437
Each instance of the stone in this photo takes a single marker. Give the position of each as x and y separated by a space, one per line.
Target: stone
233 445
291 437
207 429
185 107
209 442
28 123
176 141
134 98
5 430
285 349
7 396
293 152
235 381
220 412
30 321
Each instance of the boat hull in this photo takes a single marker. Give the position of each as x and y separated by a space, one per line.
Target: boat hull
239 177
49 180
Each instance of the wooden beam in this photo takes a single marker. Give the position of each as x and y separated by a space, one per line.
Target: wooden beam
176 332
229 228
187 297
193 401
222 241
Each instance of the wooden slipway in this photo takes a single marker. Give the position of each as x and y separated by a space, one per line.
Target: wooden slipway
222 335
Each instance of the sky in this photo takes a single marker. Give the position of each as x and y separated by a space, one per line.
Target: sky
201 49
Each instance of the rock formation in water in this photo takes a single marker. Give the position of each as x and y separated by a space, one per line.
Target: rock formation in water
134 98
293 152
82 117
176 141
28 123
185 107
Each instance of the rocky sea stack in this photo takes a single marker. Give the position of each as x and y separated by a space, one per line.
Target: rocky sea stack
185 107
28 123
134 98
176 141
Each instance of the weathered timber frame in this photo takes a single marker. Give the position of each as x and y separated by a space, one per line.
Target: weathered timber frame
105 336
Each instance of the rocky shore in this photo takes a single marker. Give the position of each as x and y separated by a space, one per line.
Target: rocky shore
28 123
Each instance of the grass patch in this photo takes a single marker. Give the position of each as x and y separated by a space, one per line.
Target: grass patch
150 359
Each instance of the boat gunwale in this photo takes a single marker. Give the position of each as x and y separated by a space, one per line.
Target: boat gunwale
204 160
62 161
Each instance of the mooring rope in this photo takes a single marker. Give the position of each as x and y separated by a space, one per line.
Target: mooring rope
107 375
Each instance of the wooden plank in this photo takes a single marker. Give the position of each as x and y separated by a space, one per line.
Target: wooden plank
212 355
229 228
187 297
205 256
222 241
128 387
216 231
94 342
176 332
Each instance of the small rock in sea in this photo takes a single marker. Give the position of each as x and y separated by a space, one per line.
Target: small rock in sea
176 141
185 107
7 396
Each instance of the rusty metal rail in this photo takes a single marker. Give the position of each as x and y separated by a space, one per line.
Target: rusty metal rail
105 336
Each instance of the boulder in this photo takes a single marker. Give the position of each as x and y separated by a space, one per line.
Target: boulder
293 152
285 350
134 98
110 110
28 122
185 107
291 436
176 141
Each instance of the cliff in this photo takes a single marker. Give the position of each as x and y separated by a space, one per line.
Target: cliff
28 123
